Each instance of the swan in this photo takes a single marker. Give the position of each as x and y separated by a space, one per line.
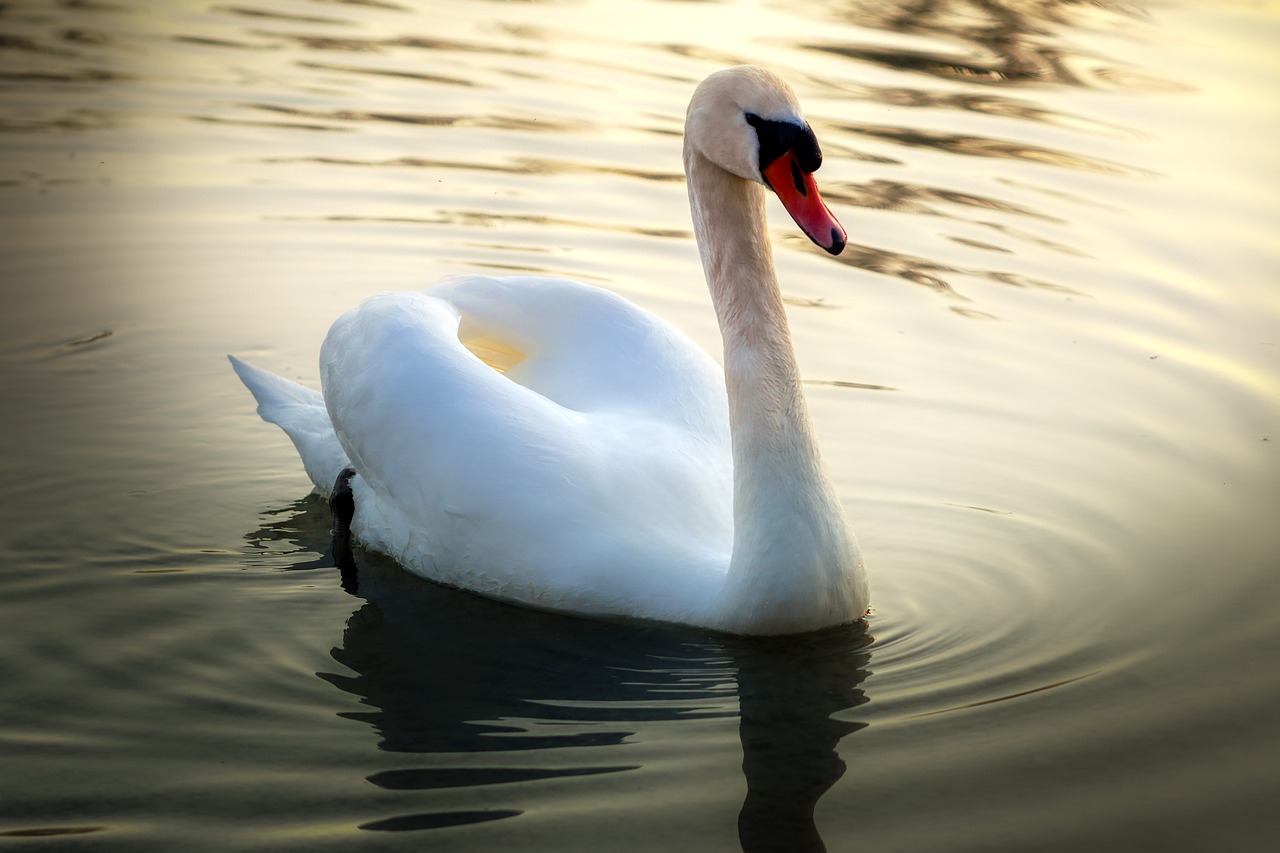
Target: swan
548 443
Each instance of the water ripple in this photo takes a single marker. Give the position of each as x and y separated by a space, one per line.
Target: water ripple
985 146
1065 513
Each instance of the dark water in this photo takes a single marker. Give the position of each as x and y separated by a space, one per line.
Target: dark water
1045 375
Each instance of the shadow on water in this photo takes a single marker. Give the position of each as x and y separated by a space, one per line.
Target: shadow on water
789 690
497 694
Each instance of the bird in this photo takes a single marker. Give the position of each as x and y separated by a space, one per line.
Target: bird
548 443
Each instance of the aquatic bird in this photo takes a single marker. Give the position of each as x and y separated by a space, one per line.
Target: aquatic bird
546 442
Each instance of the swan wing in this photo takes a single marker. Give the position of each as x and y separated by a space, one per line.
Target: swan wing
590 473
590 350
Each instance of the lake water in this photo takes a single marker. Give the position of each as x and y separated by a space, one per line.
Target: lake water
1045 374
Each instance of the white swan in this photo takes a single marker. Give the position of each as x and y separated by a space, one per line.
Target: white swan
546 442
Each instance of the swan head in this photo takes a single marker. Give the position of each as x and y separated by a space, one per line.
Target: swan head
746 121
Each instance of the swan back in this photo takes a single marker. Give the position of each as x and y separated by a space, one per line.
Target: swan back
639 364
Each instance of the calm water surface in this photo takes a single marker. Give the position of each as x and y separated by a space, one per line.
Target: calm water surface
1046 375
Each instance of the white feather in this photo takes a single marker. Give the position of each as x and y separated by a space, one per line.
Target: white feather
547 442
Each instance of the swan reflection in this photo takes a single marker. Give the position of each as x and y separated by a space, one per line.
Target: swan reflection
491 695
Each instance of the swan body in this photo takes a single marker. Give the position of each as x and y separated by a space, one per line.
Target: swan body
547 442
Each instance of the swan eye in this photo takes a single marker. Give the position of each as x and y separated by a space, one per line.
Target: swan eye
778 137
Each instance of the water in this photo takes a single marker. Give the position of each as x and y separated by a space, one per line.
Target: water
1045 374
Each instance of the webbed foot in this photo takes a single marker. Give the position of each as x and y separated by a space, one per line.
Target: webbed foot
342 503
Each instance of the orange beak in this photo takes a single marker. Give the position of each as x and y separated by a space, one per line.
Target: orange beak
799 195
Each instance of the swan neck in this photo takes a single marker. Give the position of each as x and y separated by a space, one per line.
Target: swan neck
792 548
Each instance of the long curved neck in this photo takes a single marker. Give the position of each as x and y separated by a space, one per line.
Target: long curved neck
767 414
795 564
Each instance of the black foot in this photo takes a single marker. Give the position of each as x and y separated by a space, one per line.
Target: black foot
342 503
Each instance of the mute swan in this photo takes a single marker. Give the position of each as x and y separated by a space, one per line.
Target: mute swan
547 442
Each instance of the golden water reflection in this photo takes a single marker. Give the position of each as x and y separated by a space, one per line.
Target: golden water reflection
1011 43
1044 376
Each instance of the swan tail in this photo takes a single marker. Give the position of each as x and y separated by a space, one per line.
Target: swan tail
301 413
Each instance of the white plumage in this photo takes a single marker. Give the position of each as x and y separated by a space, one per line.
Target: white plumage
547 442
